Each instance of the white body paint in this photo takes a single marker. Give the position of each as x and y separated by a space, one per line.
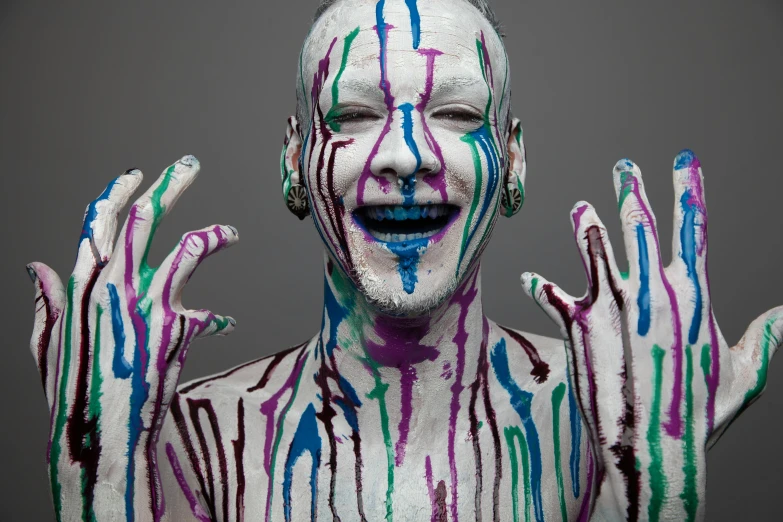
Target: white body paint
452 416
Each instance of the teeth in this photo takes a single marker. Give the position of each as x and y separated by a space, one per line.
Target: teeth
396 238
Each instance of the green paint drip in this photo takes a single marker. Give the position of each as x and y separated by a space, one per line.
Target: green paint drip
335 126
379 393
690 494
512 432
557 398
158 210
625 188
625 275
96 384
62 406
658 483
471 141
512 456
761 375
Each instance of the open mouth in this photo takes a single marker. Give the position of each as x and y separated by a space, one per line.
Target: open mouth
393 223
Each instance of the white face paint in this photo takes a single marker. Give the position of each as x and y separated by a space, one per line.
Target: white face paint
405 156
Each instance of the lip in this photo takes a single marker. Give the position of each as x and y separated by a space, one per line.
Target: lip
398 225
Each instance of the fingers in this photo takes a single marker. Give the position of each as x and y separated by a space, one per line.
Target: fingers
192 249
205 324
689 241
598 260
49 304
641 238
148 211
557 304
99 227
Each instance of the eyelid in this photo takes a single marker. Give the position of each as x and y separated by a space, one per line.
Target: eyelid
457 107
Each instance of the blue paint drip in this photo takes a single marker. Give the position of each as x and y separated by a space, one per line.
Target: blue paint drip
138 397
644 282
380 24
688 254
120 366
576 439
409 182
483 137
415 22
306 439
336 315
92 211
348 411
521 401
408 253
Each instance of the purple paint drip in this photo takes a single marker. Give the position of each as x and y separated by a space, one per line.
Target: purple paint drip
674 425
438 179
463 300
401 349
383 35
195 507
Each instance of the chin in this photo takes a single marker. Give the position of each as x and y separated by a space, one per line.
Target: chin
392 299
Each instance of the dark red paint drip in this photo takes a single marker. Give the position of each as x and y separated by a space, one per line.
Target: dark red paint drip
206 405
182 430
45 337
239 450
440 502
83 435
540 371
276 359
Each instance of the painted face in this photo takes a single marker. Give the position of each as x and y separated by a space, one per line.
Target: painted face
405 153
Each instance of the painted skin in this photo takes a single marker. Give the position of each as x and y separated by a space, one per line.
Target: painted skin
389 412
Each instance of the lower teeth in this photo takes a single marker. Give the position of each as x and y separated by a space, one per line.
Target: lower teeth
393 238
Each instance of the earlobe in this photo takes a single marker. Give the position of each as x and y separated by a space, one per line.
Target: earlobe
294 189
513 195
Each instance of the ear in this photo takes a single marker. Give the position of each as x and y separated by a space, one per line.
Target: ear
294 192
513 195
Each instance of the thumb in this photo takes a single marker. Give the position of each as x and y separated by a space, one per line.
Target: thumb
49 305
756 348
556 303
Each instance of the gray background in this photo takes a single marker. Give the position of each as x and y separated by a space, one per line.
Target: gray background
90 89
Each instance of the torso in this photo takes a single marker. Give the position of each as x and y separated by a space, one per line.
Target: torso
496 454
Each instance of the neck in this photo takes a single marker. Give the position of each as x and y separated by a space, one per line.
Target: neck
413 366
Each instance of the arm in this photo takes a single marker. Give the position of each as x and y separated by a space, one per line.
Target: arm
656 382
110 345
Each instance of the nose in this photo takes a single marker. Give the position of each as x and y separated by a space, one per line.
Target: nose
405 153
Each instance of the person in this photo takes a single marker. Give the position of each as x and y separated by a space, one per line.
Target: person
409 403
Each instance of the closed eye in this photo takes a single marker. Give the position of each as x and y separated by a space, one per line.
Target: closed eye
460 116
351 115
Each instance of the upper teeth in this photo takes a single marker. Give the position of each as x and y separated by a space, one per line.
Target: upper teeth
399 213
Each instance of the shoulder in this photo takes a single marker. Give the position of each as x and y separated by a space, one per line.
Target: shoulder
531 358
250 378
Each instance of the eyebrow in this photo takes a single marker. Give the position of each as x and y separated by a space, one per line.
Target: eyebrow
443 87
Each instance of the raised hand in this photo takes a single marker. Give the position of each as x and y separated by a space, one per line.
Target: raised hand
656 381
110 347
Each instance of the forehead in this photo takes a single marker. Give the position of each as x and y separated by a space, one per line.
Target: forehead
462 37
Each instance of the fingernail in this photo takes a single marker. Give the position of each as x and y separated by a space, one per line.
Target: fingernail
624 165
684 159
234 230
232 321
31 273
131 171
189 160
